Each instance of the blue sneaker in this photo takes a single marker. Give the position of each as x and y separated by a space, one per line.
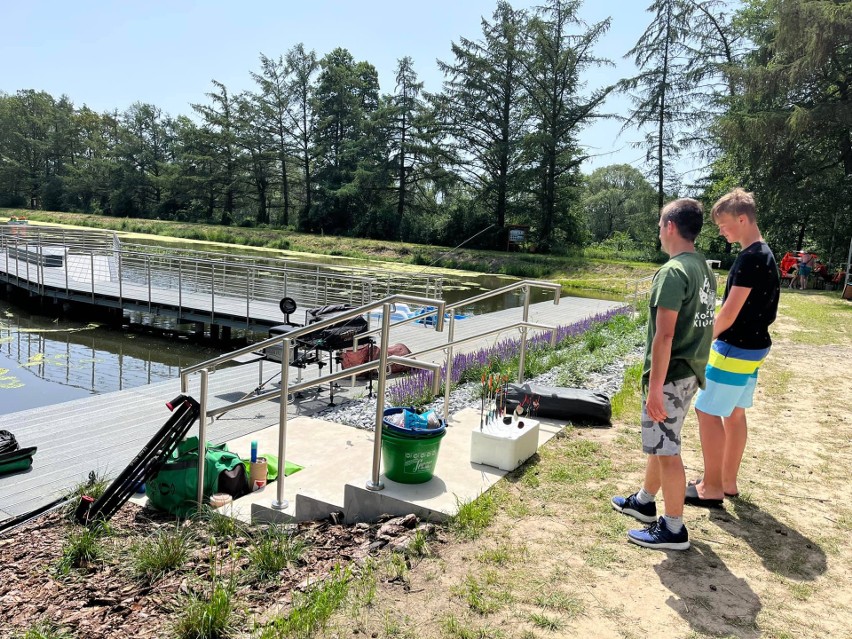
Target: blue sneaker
646 513
657 535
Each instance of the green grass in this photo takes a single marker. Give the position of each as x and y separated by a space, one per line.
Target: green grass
483 596
207 617
45 630
162 553
473 517
628 400
561 602
502 555
311 609
546 622
219 525
82 547
419 545
823 317
452 627
273 550
583 462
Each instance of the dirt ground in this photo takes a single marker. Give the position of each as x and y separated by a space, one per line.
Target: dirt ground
554 562
775 562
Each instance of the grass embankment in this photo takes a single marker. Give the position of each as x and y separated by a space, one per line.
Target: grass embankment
544 555
572 270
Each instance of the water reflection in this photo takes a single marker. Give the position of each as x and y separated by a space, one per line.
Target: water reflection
44 362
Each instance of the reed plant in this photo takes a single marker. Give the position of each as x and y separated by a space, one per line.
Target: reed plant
83 547
211 613
165 551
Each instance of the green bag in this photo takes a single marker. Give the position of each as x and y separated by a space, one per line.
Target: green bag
175 487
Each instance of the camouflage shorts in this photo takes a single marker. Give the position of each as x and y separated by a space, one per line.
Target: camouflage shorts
663 438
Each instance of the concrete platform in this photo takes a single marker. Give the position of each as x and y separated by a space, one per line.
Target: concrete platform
337 463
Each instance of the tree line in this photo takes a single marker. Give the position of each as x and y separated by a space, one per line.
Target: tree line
759 91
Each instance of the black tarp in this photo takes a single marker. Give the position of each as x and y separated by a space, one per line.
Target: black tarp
571 404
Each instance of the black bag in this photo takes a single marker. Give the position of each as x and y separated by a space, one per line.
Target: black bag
14 459
571 404
8 443
234 482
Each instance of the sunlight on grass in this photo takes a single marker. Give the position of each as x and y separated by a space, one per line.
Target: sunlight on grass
561 602
453 627
822 317
628 400
473 517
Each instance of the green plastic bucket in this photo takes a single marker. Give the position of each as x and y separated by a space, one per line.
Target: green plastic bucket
410 460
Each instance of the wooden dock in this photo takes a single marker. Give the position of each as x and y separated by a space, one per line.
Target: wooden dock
102 433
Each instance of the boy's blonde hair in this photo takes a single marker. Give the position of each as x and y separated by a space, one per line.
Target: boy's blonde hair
737 202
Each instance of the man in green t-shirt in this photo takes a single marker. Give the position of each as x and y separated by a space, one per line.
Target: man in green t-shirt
680 330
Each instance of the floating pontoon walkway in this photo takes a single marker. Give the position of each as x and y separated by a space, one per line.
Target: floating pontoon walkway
103 432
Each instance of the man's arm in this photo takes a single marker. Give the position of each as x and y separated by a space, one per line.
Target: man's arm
661 353
730 309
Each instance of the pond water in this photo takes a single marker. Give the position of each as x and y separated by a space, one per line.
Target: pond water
46 361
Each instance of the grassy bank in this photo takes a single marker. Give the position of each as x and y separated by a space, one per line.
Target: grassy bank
544 555
572 270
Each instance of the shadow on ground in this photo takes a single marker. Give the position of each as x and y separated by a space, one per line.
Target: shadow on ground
707 595
783 550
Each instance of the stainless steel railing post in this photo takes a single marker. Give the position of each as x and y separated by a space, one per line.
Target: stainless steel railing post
374 483
279 502
202 436
92 273
523 354
448 375
180 289
120 283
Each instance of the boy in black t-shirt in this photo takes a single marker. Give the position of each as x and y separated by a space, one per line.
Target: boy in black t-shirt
742 342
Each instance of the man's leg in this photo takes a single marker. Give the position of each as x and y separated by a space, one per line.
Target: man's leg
736 434
653 481
712 432
673 483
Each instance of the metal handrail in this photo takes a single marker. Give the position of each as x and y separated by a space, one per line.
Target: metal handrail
310 328
204 369
472 300
473 338
636 293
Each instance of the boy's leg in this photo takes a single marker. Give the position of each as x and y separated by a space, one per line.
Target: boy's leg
712 432
673 483
653 481
736 435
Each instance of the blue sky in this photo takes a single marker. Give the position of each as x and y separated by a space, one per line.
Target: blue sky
108 54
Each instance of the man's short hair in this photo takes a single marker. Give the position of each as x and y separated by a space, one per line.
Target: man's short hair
687 215
737 202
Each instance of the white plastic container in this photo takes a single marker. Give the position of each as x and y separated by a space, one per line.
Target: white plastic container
504 446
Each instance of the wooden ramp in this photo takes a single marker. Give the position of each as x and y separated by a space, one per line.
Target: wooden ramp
102 433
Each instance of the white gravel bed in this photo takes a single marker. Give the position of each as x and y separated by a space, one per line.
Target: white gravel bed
361 413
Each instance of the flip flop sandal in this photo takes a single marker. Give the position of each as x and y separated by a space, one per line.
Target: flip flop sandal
693 499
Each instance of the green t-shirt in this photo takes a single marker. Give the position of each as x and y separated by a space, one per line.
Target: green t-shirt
687 285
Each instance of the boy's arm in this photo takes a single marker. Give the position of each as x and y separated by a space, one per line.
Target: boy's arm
730 309
661 352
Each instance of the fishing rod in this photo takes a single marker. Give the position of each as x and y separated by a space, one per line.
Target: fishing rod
445 253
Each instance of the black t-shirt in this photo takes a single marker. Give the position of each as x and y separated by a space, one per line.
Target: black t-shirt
754 268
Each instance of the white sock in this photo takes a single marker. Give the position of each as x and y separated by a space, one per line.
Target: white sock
674 524
644 497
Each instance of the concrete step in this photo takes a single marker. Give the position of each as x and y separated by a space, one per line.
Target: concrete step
337 464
